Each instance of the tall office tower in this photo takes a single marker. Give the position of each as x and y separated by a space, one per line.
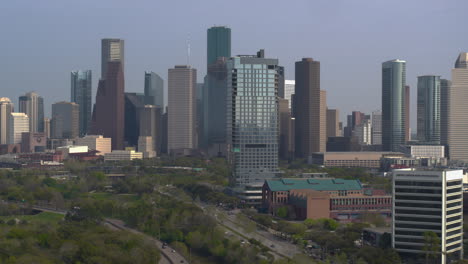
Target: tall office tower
215 121
407 113
444 111
201 129
133 104
393 104
150 125
458 109
333 123
19 123
218 44
154 89
377 127
33 106
363 132
65 120
428 201
112 50
108 113
252 118
182 115
286 142
47 128
81 90
6 108
281 82
310 113
428 109
289 91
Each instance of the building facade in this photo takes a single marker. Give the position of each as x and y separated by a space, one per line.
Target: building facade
6 108
377 128
333 123
65 121
252 118
218 43
363 132
428 201
289 89
310 112
81 93
96 142
154 89
112 50
19 124
428 109
182 115
118 155
33 106
393 104
458 119
361 159
444 111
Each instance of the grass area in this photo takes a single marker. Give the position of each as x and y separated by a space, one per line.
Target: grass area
43 217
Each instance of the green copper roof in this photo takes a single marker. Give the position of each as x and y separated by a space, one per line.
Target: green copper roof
313 184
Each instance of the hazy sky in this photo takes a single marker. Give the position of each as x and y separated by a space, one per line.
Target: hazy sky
42 41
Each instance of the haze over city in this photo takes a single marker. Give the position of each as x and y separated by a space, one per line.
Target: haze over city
42 41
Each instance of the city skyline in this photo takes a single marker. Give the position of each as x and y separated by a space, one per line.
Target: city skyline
172 49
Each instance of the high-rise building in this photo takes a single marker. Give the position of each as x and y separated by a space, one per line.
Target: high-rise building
146 146
252 118
65 120
310 109
6 108
333 123
393 104
150 125
182 116
407 113
289 87
218 44
81 92
154 89
47 128
286 141
19 124
33 106
133 104
215 120
444 111
363 132
428 201
112 50
458 109
377 127
428 109
108 113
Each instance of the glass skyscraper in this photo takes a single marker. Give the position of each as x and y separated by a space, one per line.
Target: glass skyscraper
393 104
33 106
81 91
252 118
219 44
154 89
429 109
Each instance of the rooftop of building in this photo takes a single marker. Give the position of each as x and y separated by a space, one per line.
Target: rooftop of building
462 61
313 184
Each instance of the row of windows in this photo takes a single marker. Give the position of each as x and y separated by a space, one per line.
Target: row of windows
361 201
417 219
418 198
417 212
414 183
450 219
453 204
454 190
456 211
454 225
451 233
454 197
407 239
428 227
418 205
430 191
453 183
457 238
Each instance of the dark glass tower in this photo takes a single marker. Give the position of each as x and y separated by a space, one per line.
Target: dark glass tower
429 109
81 94
219 44
154 89
393 104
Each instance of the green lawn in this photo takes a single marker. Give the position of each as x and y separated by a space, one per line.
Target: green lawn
43 217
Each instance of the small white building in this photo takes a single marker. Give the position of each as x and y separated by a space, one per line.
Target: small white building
96 142
66 150
19 123
118 155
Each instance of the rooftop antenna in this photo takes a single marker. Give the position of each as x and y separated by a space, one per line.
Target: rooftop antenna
188 50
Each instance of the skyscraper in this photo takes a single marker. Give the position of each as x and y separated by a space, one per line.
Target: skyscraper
310 112
428 109
393 104
33 106
182 116
81 90
154 89
112 50
108 113
19 124
333 120
252 118
286 139
218 44
65 120
377 127
6 108
444 111
289 91
458 109
407 113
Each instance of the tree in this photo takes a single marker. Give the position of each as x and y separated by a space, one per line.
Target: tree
282 212
431 245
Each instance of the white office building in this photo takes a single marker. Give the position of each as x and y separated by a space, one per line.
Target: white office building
19 123
96 142
428 201
118 155
289 86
